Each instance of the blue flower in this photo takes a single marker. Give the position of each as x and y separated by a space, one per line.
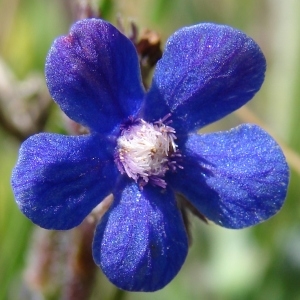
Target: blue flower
144 147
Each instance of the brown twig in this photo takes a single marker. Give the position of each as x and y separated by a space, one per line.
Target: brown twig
24 105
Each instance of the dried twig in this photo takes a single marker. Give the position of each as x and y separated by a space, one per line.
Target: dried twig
24 105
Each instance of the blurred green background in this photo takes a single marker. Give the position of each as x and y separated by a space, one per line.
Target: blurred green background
262 262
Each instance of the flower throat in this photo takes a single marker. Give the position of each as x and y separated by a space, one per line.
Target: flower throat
146 151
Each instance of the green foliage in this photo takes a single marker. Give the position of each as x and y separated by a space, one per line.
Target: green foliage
14 228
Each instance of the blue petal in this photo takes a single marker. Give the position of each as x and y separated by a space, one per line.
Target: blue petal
141 243
236 178
58 179
93 74
207 71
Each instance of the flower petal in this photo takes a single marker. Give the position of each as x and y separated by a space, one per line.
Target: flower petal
236 178
207 71
141 243
93 74
58 179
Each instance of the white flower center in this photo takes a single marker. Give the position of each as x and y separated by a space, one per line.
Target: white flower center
144 150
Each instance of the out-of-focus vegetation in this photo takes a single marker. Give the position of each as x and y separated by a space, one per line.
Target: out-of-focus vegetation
262 262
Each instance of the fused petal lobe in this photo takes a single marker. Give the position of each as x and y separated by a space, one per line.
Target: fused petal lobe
206 72
236 178
59 179
93 74
141 243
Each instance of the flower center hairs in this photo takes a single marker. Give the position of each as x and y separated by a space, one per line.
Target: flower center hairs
146 151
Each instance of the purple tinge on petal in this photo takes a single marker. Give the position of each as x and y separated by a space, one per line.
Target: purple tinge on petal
236 178
93 74
141 243
58 179
206 72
